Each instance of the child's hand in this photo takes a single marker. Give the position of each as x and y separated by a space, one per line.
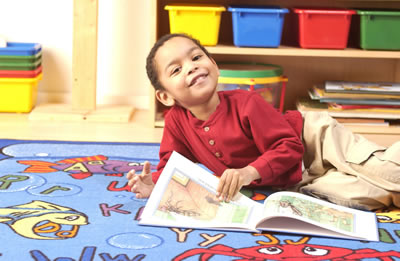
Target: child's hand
232 180
141 184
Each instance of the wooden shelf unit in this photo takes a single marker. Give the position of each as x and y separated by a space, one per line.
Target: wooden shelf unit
303 67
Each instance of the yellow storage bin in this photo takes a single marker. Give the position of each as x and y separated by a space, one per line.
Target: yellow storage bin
200 21
18 94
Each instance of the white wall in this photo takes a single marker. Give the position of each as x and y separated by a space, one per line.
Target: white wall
123 42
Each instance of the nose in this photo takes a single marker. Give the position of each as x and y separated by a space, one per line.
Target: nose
192 68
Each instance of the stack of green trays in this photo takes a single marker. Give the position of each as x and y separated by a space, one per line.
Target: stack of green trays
20 60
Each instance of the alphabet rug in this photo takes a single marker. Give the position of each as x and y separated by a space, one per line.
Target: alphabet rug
70 201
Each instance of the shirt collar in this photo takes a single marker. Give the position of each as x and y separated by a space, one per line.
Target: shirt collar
220 110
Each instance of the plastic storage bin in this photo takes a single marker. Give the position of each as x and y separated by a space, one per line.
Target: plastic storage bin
265 79
20 65
200 21
380 29
18 94
257 26
24 49
21 58
20 74
323 28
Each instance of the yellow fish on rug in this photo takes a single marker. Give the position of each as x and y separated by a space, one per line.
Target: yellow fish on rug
36 218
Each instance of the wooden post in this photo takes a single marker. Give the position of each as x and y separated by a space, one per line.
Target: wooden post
84 73
84 58
153 39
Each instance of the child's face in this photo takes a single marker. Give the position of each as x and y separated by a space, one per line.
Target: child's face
188 75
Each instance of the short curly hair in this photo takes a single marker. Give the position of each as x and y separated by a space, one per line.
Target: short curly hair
151 68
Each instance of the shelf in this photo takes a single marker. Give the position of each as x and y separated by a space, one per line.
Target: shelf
303 67
295 51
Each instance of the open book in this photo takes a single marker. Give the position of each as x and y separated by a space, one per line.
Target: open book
184 196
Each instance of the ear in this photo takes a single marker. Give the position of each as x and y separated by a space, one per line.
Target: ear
165 98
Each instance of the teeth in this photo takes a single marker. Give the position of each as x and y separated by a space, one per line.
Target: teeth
196 79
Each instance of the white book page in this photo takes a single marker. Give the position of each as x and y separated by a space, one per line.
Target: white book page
184 196
319 213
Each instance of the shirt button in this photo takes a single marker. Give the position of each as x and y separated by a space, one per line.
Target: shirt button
218 154
206 129
211 142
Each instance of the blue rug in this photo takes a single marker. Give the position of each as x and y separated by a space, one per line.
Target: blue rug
68 201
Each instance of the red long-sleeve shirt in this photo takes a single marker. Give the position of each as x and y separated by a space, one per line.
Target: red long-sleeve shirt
244 130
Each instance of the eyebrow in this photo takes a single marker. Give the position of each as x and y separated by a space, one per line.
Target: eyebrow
188 52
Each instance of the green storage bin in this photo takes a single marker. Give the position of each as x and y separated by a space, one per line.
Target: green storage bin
379 29
21 58
20 65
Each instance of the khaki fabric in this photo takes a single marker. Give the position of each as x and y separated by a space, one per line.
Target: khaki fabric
346 168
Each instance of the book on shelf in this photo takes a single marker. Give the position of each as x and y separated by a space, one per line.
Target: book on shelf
363 121
185 196
305 105
318 93
361 106
390 88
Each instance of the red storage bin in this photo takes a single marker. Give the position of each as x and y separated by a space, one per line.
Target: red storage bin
323 27
20 74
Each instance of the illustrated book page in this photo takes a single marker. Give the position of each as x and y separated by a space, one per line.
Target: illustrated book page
184 196
297 213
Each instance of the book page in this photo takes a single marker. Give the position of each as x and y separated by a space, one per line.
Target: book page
185 199
321 214
184 196
327 216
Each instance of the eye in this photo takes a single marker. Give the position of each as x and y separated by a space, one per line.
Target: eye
270 250
71 218
315 251
383 218
197 57
175 70
134 164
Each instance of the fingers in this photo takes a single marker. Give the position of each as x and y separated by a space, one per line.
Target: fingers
142 190
222 186
142 184
132 179
229 185
132 182
135 184
233 189
146 168
130 174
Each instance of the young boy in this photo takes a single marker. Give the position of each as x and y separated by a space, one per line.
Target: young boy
247 142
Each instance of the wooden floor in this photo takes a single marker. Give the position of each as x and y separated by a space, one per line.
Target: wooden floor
139 129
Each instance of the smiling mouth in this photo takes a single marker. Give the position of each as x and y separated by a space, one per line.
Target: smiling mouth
197 79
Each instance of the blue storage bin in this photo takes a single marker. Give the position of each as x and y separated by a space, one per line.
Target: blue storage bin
15 48
257 26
